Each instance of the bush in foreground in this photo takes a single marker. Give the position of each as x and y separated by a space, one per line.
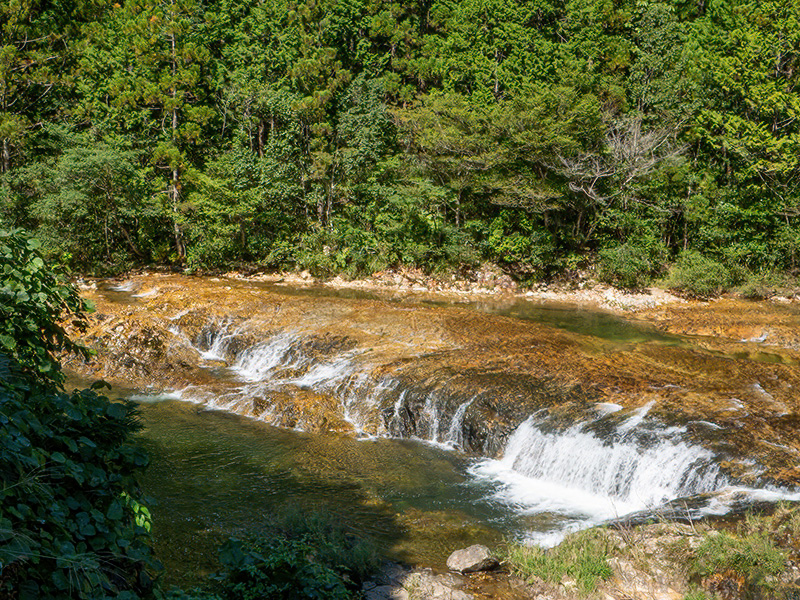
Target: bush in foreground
71 525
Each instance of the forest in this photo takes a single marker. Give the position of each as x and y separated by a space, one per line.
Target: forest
629 138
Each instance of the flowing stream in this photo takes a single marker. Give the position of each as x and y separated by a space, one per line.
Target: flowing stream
404 479
215 474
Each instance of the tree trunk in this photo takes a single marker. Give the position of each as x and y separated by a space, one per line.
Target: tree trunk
328 206
105 236
321 209
685 234
126 234
175 197
6 164
175 186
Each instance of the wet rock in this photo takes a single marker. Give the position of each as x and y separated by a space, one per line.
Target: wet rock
473 559
425 585
456 376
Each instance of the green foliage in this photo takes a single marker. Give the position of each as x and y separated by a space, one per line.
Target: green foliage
761 286
582 557
95 189
34 300
697 275
298 556
71 525
632 264
347 135
278 569
781 526
754 557
625 265
520 242
334 544
698 594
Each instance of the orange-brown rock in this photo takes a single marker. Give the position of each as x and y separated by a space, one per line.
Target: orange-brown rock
725 383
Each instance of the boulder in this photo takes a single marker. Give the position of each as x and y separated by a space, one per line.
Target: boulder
395 582
471 560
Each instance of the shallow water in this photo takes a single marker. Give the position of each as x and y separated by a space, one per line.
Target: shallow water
575 319
214 474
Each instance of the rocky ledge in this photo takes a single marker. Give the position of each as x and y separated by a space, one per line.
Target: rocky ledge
466 377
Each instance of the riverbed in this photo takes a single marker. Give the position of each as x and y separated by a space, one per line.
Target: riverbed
428 424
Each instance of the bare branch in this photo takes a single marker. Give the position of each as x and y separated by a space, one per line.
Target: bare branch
629 153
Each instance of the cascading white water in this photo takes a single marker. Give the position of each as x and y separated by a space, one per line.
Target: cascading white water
576 473
455 433
361 400
430 414
259 362
127 286
279 364
218 343
397 420
623 470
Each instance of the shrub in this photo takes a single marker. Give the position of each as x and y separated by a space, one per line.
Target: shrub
699 276
338 548
632 264
760 286
34 298
625 266
698 594
278 568
71 524
519 242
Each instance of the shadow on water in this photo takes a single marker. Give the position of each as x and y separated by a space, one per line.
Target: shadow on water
214 475
207 488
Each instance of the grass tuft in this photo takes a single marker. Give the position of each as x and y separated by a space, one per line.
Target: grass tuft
582 556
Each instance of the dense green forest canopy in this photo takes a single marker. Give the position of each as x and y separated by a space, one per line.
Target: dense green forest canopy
354 135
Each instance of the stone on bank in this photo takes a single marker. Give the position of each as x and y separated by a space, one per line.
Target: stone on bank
471 560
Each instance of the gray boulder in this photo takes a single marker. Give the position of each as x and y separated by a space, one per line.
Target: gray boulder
471 560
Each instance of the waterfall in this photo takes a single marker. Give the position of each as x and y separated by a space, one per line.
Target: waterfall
259 362
396 422
455 433
626 467
613 462
430 413
216 341
623 469
361 400
640 465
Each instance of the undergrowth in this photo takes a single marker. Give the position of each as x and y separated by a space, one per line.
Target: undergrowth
296 556
582 556
753 556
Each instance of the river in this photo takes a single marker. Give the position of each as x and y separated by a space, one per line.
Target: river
424 457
